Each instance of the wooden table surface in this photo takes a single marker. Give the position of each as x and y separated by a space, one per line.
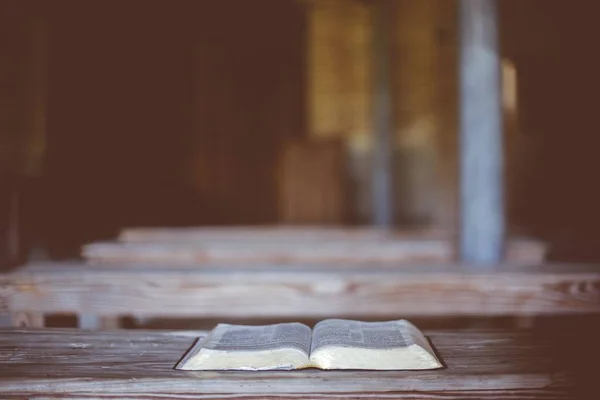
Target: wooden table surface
139 365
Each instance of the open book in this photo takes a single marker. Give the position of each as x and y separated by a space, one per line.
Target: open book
333 344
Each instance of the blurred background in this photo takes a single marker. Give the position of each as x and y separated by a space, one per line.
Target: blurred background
155 113
231 112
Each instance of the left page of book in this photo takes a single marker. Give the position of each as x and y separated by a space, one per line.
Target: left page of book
251 348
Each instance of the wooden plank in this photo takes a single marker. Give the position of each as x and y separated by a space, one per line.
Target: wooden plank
482 226
139 364
270 232
378 248
519 249
282 252
299 292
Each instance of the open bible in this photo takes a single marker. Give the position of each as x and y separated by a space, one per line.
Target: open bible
332 344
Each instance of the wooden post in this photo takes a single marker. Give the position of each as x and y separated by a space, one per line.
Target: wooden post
482 222
93 322
383 215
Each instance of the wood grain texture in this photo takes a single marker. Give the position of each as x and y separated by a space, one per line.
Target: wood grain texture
297 291
546 394
139 364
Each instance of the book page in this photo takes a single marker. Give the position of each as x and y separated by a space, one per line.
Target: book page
369 335
254 338
250 348
392 345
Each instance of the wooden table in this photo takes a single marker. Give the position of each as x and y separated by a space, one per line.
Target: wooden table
139 365
297 291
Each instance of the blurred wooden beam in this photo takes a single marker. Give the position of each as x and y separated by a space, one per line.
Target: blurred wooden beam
383 215
482 225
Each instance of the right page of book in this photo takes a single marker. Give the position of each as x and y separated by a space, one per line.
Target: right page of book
347 344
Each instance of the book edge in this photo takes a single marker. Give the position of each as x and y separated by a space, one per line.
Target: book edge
192 351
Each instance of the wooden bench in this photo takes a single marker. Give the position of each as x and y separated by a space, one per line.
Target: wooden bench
295 291
139 365
268 232
284 244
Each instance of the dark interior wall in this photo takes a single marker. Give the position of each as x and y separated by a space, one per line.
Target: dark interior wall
168 114
554 47
250 85
119 113
14 79
15 26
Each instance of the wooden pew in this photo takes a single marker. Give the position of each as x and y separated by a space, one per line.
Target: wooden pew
139 365
297 291
267 232
291 244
